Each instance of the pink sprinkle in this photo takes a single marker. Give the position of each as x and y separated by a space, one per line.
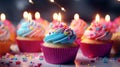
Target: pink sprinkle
39 64
10 62
118 59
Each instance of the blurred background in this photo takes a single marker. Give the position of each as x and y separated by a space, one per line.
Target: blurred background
87 9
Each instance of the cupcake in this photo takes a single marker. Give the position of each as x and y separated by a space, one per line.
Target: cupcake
59 46
116 37
30 36
10 26
78 25
5 40
96 41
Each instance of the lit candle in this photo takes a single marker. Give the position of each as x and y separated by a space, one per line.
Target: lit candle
3 17
37 15
25 15
55 17
29 16
97 18
59 17
107 18
76 16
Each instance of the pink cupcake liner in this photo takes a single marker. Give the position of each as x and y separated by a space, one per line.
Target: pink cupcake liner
29 46
95 50
60 55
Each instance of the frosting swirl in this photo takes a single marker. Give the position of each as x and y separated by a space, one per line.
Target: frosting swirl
4 32
60 34
78 26
30 29
99 31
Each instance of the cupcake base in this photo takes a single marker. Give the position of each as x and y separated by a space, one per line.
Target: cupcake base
95 50
29 46
4 47
60 55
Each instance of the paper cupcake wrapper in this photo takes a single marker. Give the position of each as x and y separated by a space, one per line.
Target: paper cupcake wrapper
29 46
60 55
95 50
4 48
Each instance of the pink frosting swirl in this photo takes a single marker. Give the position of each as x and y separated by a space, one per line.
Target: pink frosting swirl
78 26
99 31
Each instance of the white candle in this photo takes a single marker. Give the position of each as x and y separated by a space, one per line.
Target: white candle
107 18
25 15
59 17
97 18
3 17
76 16
55 16
37 15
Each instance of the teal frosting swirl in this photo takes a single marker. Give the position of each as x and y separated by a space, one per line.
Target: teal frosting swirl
61 35
26 28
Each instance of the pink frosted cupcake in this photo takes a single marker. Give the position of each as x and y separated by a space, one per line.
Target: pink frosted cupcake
59 46
96 41
78 25
30 36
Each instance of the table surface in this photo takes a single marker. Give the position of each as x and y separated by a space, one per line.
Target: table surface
37 60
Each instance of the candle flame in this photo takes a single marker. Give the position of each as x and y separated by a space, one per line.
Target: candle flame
76 16
59 17
25 15
37 15
97 19
30 1
3 17
55 16
107 18
52 1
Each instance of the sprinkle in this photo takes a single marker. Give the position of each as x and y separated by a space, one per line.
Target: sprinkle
39 64
97 29
105 60
10 62
118 59
15 58
24 59
88 64
93 61
18 62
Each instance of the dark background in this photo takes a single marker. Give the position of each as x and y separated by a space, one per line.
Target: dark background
86 8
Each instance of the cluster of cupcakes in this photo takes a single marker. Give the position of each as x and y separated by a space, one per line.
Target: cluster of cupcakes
60 42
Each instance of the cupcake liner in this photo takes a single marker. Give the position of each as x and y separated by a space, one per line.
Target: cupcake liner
95 50
60 55
29 46
4 48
